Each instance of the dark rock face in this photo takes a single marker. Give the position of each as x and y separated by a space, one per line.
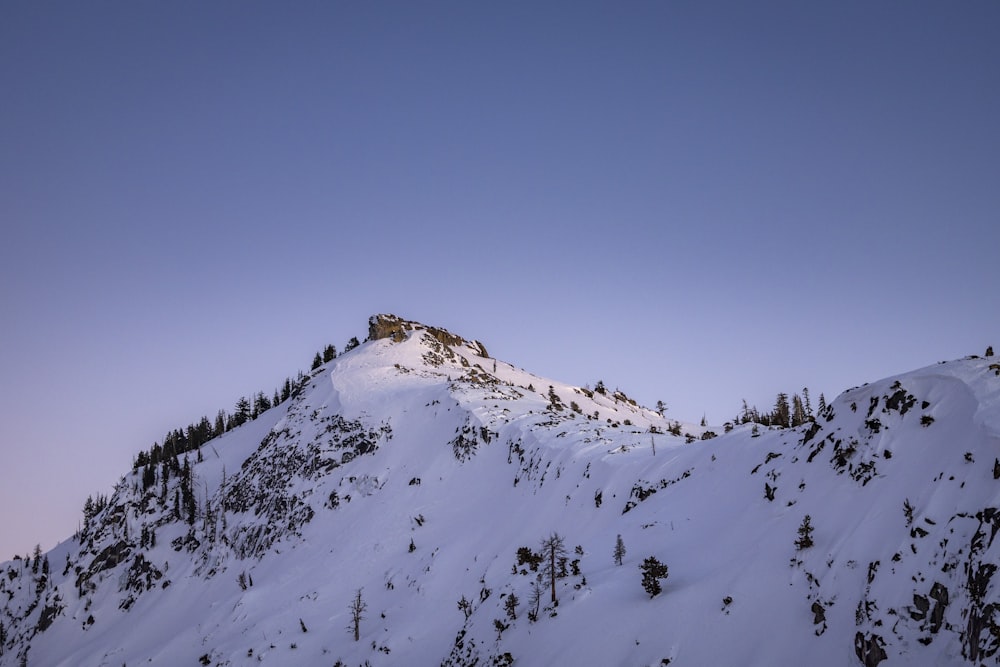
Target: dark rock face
819 613
940 596
870 650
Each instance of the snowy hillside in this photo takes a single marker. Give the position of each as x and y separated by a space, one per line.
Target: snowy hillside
402 495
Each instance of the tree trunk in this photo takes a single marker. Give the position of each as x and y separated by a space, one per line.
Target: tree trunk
552 557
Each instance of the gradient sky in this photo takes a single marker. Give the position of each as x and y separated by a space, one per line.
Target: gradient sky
697 202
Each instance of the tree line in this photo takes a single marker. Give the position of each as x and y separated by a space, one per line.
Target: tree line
179 441
785 413
167 457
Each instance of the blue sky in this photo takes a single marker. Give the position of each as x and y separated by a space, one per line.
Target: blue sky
697 202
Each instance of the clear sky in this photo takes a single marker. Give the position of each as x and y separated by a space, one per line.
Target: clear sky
697 202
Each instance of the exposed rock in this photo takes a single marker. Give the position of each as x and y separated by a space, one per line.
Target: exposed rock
108 558
396 328
940 596
49 614
870 650
819 614
388 326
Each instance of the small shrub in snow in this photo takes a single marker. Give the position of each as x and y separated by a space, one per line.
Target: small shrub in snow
526 556
465 606
805 540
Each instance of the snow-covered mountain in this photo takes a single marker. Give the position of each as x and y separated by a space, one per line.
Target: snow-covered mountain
392 512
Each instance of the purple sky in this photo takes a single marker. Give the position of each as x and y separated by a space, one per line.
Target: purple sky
697 202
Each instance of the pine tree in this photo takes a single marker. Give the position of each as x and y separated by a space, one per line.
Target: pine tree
261 404
317 362
808 405
782 415
652 571
805 540
88 512
554 402
822 403
148 477
329 353
510 606
242 413
619 550
351 344
164 474
661 407
798 411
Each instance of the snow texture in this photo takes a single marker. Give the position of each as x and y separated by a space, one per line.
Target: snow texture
415 467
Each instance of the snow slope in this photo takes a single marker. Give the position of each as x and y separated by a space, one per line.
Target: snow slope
414 467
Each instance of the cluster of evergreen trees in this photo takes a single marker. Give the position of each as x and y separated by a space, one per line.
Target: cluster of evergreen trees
182 440
330 353
92 507
179 441
185 505
785 413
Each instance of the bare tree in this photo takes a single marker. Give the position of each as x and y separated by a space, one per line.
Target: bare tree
357 609
465 606
553 548
534 601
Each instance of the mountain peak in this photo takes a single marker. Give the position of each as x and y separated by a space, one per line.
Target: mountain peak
397 329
